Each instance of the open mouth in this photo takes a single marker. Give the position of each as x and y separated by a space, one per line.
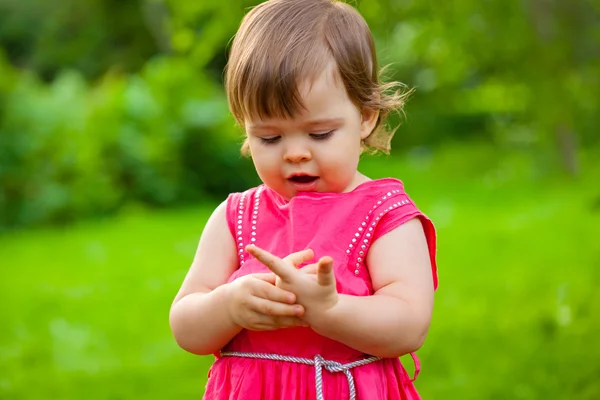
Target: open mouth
304 179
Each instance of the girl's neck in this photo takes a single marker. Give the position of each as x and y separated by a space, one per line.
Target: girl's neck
358 180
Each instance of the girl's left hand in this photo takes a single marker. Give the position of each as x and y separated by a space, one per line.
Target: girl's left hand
313 285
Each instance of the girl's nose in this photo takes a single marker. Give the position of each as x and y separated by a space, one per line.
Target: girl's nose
296 152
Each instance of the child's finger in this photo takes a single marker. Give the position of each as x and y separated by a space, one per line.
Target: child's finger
274 308
274 293
325 275
299 257
274 263
266 276
309 269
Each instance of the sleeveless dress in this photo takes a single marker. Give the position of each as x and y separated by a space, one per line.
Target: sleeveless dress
343 226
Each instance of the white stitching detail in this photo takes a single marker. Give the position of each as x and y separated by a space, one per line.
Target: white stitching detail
240 223
366 232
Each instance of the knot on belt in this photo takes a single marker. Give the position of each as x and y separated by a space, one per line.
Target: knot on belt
318 362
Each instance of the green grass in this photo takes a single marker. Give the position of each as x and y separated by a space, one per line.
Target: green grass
84 310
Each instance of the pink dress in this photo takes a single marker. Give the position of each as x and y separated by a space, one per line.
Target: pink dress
343 226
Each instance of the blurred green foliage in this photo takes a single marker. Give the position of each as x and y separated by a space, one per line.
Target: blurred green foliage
107 103
91 36
70 149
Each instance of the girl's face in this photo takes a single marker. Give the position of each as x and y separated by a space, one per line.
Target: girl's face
318 150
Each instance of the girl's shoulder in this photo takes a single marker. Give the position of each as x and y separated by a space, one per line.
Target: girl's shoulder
383 205
240 204
378 187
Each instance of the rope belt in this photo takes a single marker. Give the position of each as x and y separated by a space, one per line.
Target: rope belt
318 362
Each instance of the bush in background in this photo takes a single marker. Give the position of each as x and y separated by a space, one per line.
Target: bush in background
70 149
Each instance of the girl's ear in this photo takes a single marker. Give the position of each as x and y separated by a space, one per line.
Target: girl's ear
245 150
369 121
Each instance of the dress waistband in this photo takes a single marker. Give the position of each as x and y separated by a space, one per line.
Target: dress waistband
318 362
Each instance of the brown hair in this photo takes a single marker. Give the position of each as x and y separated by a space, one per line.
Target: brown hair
281 42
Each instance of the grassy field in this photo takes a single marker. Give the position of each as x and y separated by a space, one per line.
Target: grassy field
84 309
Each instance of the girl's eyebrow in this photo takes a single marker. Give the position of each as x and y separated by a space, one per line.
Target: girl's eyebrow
261 126
323 121
307 124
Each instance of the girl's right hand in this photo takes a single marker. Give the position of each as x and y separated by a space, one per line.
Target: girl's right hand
257 304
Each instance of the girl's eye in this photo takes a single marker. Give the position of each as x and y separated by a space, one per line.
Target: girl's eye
322 136
270 140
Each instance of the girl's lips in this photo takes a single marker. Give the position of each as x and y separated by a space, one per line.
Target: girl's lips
303 178
304 184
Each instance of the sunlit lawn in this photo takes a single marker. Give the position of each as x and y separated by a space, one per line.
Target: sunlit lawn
84 310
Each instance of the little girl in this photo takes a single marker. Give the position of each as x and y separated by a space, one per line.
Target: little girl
313 284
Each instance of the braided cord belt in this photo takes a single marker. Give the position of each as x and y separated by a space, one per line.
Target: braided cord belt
318 362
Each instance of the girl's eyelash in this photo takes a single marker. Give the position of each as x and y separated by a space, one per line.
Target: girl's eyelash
270 140
322 136
316 136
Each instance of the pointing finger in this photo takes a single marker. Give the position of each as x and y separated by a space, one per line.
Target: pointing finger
274 263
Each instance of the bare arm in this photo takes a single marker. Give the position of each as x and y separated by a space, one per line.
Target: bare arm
395 320
208 312
199 318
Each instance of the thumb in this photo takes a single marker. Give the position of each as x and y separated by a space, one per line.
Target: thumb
325 276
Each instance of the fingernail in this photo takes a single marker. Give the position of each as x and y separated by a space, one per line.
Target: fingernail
298 310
